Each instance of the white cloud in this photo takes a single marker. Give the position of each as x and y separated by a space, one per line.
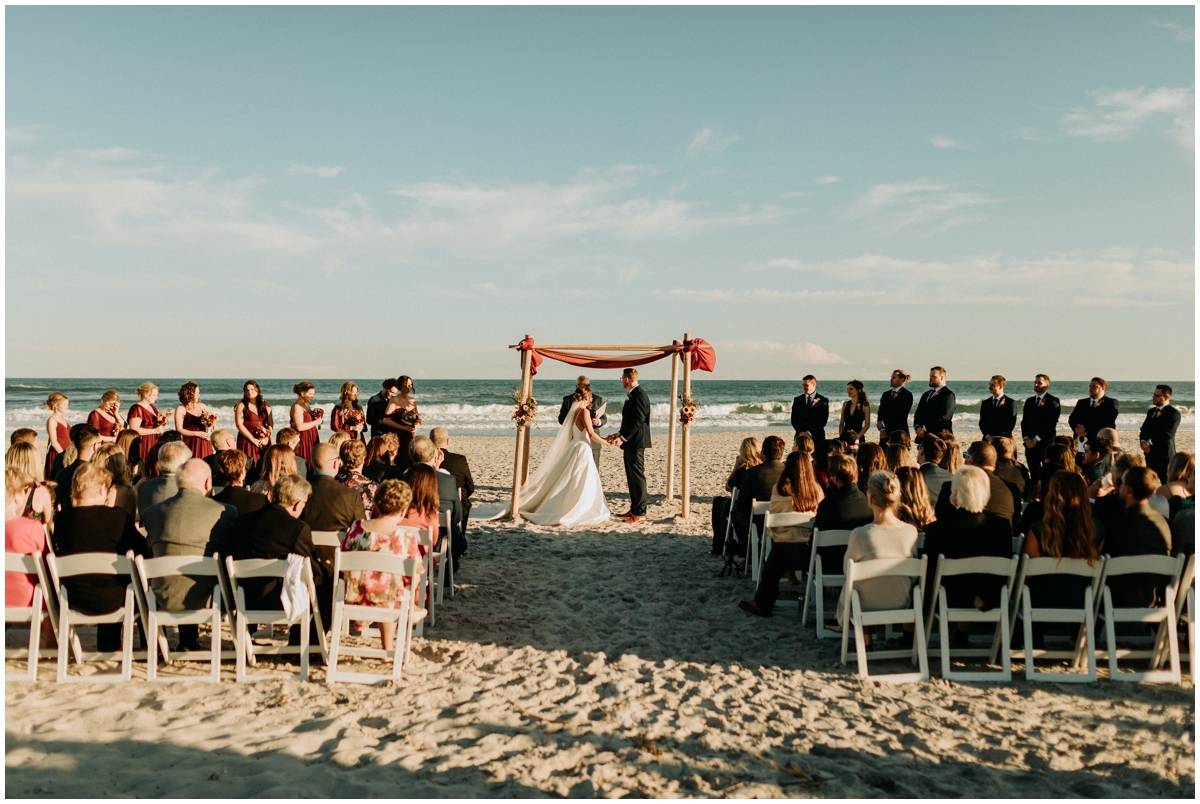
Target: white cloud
898 206
1182 34
827 180
21 135
943 142
1121 113
710 140
312 170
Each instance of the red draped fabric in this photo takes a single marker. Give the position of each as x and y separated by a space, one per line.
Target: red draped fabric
703 357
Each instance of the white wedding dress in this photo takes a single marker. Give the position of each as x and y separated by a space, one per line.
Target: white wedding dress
565 490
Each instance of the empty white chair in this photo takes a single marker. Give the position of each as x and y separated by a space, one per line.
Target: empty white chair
93 564
856 618
1085 642
328 538
1164 615
757 548
1005 568
365 561
240 571
31 614
150 568
819 580
786 519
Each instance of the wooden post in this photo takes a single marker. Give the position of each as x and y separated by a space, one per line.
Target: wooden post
671 424
518 477
685 482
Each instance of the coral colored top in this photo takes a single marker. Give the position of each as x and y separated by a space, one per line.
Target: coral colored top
26 537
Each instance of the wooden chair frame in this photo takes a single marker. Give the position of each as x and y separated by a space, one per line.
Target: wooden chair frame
93 564
32 614
358 561
856 618
978 565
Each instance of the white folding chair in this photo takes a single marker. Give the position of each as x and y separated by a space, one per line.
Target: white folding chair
328 538
856 618
1018 545
757 548
362 561
979 565
93 564
1183 616
166 566
50 601
787 519
440 561
819 580
31 614
1164 615
1085 641
245 648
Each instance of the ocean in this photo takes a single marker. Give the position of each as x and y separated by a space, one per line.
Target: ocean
484 407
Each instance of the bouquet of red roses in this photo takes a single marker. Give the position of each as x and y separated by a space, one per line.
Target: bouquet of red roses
208 420
410 417
261 432
352 418
317 412
160 420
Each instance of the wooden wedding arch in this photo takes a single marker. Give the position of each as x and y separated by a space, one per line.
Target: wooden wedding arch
699 355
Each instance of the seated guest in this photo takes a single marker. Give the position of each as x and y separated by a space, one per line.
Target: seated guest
129 444
23 434
900 438
1000 503
952 460
844 507
930 455
353 454
804 443
331 506
384 534
39 502
230 475
422 451
150 462
85 440
457 466
290 438
758 484
278 461
1168 499
1057 458
21 535
221 440
153 490
337 439
748 457
423 512
122 494
870 458
1014 475
914 507
1183 526
797 491
885 537
1066 530
897 456
1109 505
1093 458
188 524
88 525
966 532
381 452
1140 531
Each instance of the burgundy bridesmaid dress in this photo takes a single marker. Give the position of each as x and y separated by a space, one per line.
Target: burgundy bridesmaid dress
308 440
200 446
251 421
62 432
102 423
335 424
403 461
149 416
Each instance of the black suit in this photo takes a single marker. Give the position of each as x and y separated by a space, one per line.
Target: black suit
935 411
1139 531
1039 421
1094 418
894 407
271 532
998 417
376 406
1159 429
758 483
962 534
635 433
246 502
1014 475
457 466
811 417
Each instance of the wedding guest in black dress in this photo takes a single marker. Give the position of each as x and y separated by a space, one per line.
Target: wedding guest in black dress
856 415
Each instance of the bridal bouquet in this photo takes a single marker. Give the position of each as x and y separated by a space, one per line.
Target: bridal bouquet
527 409
208 420
687 410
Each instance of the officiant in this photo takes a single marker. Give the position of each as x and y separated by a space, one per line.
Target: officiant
599 409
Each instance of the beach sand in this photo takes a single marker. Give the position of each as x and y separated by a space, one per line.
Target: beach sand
603 663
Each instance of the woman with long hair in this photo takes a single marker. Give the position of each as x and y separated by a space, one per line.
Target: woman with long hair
914 507
121 493
380 452
107 417
278 460
1066 530
855 420
348 415
1168 498
57 430
870 458
953 459
403 417
39 503
128 442
305 422
1057 458
194 421
805 445
425 503
254 422
899 457
145 420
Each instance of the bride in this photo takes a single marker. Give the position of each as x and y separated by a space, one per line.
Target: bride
565 490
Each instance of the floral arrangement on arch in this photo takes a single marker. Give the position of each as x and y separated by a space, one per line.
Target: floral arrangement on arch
527 409
687 409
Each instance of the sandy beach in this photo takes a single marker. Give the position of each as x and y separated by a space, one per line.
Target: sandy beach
603 663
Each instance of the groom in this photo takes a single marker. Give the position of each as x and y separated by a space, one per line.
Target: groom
634 439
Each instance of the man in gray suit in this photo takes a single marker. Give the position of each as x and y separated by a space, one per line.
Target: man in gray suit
929 454
154 490
188 524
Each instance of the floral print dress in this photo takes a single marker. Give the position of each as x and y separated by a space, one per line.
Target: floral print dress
380 588
362 484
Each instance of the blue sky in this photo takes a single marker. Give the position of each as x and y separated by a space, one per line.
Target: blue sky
319 191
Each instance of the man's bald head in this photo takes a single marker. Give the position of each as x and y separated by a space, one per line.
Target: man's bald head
194 474
324 457
440 437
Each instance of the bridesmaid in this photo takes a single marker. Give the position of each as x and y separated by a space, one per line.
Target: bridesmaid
856 415
190 423
145 420
348 403
402 417
107 418
57 430
254 422
304 421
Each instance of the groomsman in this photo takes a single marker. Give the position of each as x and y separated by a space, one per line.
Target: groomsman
894 406
810 413
582 382
1039 421
935 411
1093 413
998 413
1157 436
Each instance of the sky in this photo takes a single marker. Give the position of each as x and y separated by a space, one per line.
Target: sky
329 192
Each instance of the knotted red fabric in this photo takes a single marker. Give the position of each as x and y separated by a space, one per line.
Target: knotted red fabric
703 357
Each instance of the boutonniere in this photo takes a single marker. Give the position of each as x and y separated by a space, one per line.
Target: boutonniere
1157 413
